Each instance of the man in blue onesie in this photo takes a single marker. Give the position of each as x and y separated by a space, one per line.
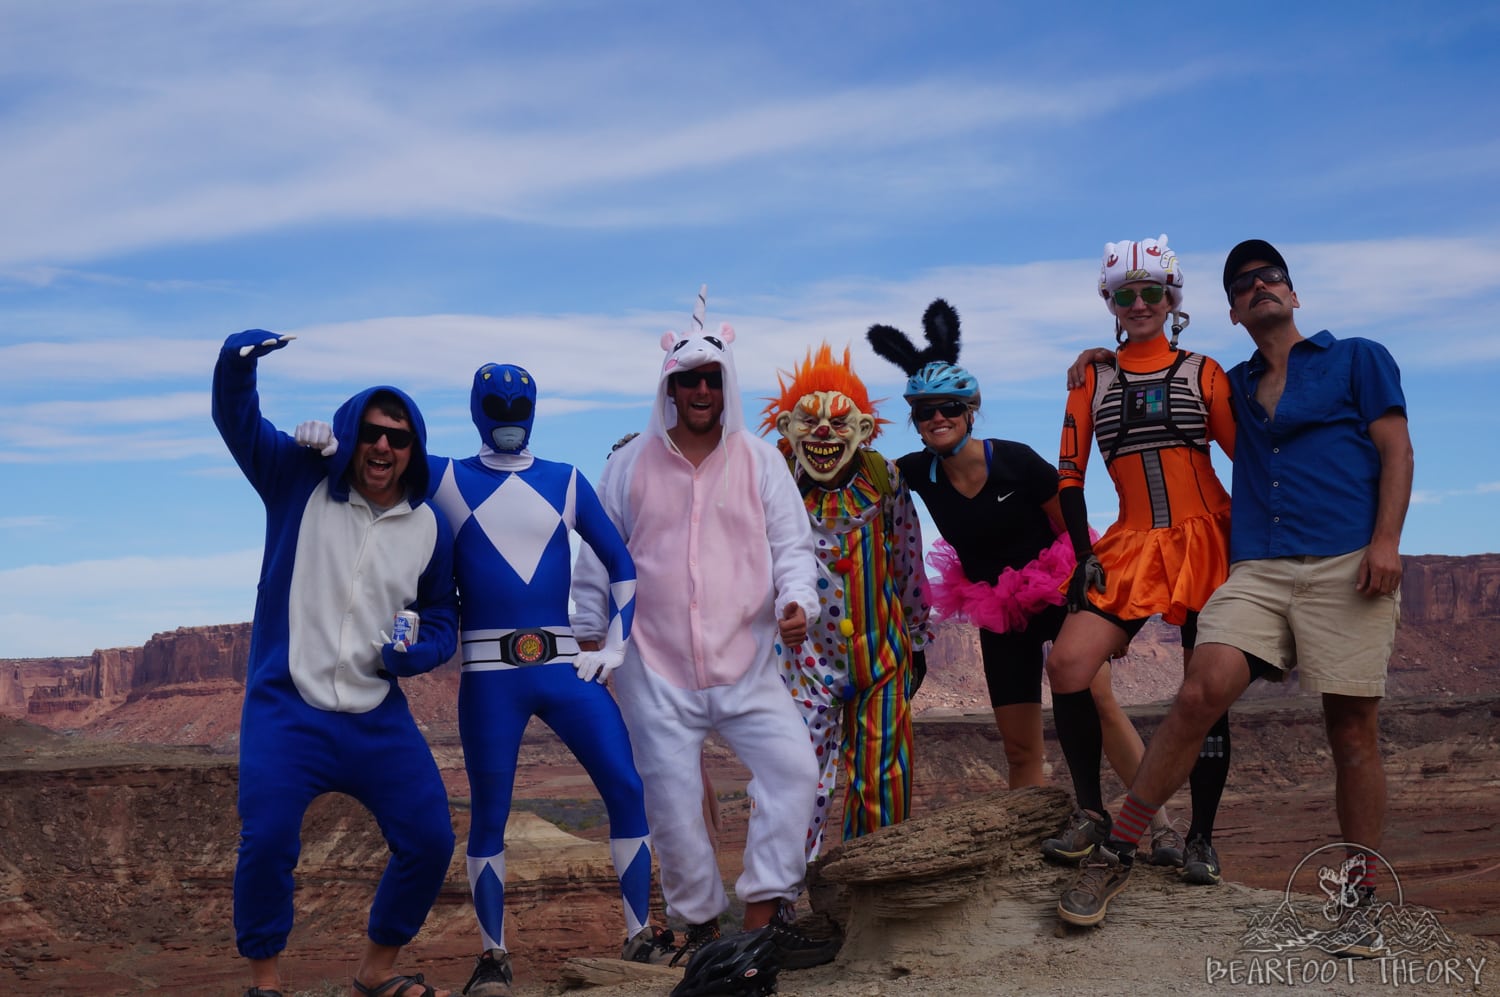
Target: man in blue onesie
349 543
511 515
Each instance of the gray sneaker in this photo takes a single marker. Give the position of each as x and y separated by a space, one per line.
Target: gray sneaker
1166 847
1103 875
649 945
1200 863
491 975
1079 837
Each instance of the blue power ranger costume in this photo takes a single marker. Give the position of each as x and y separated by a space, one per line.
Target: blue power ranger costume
511 515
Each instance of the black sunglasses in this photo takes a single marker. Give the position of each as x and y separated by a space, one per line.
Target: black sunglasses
690 379
1266 275
399 439
949 410
1151 295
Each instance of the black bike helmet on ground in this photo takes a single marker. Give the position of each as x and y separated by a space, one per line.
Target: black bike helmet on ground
742 965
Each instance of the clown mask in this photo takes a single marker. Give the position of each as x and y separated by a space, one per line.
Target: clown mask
825 430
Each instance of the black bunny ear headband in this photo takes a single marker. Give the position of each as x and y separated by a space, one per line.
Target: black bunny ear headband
939 322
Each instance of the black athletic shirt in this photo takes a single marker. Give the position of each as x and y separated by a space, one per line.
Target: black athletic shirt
1004 525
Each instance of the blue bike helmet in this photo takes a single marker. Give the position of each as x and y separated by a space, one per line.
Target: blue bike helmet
941 379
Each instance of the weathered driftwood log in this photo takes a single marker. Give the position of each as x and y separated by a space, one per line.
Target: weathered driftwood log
580 973
971 869
940 858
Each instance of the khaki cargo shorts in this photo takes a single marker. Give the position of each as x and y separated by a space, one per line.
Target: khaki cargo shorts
1304 613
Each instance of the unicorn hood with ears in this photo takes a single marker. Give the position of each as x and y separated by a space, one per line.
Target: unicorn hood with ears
686 351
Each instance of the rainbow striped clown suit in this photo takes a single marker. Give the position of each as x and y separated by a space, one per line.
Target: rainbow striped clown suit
512 515
853 677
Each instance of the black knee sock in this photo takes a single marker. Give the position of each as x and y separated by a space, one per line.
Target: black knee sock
1078 731
1209 774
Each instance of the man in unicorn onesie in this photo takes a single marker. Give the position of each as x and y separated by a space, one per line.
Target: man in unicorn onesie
349 543
854 676
512 514
725 568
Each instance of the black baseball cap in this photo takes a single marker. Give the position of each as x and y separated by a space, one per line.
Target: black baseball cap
1252 249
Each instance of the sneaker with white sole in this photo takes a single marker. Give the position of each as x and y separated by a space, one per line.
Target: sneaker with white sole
1103 875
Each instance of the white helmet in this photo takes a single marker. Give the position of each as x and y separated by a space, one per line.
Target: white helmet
1149 259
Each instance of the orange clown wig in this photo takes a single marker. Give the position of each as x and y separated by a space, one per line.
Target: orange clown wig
819 372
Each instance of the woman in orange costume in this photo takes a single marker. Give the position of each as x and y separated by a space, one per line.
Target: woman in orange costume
1154 414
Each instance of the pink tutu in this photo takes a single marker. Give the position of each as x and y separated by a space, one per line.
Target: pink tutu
1013 600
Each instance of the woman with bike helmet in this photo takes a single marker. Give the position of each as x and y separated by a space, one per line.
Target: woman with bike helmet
1004 557
1154 412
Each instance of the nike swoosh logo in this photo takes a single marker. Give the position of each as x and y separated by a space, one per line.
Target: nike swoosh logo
1004 497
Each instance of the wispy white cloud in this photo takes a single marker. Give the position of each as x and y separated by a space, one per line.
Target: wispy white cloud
71 609
1023 324
28 522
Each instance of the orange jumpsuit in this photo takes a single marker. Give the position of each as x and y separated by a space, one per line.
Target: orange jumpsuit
1154 416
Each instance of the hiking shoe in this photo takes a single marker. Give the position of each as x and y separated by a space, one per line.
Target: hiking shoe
1358 935
1166 847
649 945
1200 863
1103 875
491 975
796 949
1078 839
698 935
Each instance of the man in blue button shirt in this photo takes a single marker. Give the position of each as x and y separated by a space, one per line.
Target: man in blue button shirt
1322 479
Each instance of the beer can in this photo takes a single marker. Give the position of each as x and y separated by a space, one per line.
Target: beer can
405 627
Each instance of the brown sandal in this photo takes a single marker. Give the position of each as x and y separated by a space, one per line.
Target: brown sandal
396 986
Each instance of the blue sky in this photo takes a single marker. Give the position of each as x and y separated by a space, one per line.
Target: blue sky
414 189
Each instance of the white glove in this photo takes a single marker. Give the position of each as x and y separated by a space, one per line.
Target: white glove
318 436
596 665
399 646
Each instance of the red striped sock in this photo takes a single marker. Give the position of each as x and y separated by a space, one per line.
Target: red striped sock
1366 871
1135 817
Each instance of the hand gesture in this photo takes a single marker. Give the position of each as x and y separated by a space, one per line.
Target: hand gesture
595 666
1088 574
793 625
317 436
384 641
256 342
1085 360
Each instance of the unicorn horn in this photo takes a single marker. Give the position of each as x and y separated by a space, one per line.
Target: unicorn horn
699 309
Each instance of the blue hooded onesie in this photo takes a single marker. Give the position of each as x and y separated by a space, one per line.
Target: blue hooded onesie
323 709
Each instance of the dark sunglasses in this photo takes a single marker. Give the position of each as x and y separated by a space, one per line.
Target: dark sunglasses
399 439
1266 275
949 410
1151 295
690 379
